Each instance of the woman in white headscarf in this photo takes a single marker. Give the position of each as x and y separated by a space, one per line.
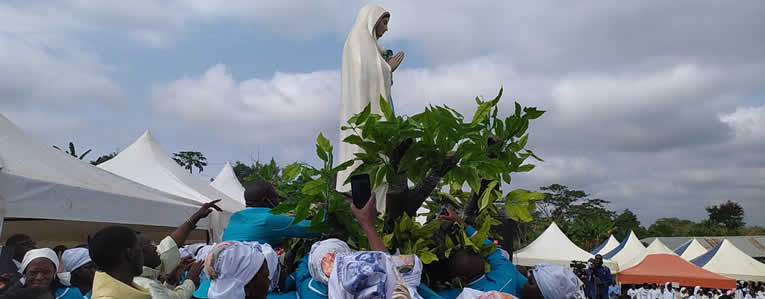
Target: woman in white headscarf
237 271
77 278
38 269
366 76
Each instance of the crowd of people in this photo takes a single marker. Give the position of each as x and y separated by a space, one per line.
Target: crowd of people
118 262
743 290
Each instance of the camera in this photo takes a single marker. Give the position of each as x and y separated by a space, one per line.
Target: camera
580 269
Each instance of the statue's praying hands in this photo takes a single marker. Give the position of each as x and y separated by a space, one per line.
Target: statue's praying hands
395 60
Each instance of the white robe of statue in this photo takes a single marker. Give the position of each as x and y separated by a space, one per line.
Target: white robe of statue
365 77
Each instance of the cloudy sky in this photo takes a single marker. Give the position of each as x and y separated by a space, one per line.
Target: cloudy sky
657 106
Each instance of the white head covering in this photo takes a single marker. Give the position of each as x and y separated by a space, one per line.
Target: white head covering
557 282
272 260
190 250
39 253
365 76
319 264
363 274
72 259
233 265
696 290
410 269
203 252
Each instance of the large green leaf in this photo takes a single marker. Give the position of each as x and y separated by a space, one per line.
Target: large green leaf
386 109
533 113
323 143
321 153
342 166
291 172
482 112
314 187
486 197
284 207
364 115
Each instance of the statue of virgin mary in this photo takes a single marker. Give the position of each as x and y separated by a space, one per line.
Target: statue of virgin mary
366 75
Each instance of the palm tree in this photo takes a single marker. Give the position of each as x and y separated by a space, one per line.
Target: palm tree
72 152
189 160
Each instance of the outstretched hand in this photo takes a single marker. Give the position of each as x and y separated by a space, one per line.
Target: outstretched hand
395 61
452 216
368 214
206 209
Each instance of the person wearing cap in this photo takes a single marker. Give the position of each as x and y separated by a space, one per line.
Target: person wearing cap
77 276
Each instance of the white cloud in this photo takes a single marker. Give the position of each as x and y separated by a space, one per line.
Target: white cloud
285 108
748 122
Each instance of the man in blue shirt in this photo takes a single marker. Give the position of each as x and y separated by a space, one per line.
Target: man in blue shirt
469 268
598 279
257 224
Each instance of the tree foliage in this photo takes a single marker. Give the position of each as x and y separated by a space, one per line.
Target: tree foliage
190 160
72 152
434 150
103 158
729 214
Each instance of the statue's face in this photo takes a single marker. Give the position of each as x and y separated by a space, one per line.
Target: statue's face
382 26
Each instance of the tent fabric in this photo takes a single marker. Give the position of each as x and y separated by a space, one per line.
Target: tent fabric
146 162
553 247
40 182
660 268
691 250
656 247
607 245
227 183
629 252
726 259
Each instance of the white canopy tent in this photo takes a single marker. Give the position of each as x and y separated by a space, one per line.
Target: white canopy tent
726 259
553 247
656 247
690 250
607 245
227 183
628 251
147 163
40 182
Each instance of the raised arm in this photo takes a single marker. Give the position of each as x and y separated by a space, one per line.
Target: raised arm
182 232
366 217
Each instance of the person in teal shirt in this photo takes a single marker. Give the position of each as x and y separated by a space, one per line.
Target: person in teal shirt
469 268
257 224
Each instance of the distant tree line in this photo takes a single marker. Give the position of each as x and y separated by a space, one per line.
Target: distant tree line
588 221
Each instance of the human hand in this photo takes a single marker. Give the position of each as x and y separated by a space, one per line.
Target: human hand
174 277
368 214
452 216
195 272
206 209
395 61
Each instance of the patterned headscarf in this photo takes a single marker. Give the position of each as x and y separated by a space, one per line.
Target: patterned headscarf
363 275
322 257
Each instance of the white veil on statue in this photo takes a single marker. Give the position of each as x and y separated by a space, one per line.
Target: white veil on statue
365 77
